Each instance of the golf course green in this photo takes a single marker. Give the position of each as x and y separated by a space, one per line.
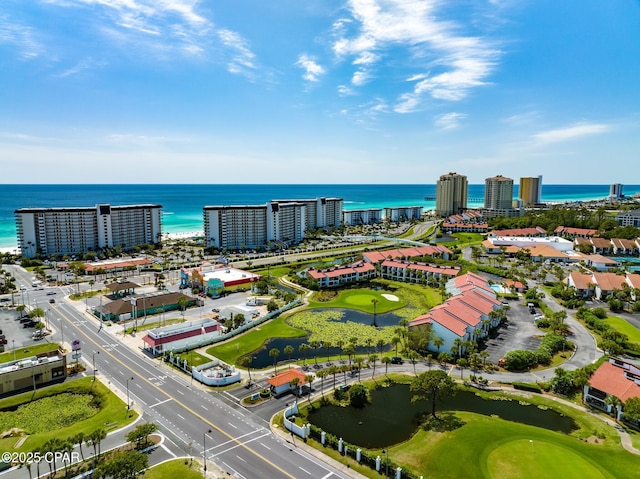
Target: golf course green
525 458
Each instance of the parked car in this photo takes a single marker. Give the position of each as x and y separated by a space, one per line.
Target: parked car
49 293
52 300
397 360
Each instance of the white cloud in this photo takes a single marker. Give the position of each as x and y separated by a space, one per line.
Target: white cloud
344 90
81 66
449 121
454 63
241 58
20 36
360 78
571 132
312 70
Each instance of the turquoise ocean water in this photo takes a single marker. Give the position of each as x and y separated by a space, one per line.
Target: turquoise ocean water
182 204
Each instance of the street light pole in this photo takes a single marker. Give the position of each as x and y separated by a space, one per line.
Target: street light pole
128 403
204 451
93 357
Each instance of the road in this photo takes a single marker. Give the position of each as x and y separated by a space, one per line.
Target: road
239 442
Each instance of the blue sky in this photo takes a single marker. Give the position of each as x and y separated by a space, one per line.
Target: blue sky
318 91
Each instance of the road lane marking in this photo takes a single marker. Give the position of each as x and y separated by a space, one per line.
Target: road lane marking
232 425
265 446
160 402
180 417
328 475
199 416
304 470
204 407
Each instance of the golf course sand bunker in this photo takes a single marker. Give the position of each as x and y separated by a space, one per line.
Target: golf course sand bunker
391 297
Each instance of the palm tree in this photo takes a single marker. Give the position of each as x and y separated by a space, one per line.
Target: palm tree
379 345
395 341
372 360
615 404
333 370
438 342
309 379
79 439
288 350
349 350
322 374
245 362
462 363
303 348
327 345
386 360
358 364
340 344
315 345
274 353
413 357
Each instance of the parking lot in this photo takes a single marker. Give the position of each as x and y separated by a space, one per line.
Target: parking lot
14 331
517 333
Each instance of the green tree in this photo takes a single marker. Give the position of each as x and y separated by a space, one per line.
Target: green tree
95 439
274 353
632 409
140 435
123 465
432 386
358 395
303 348
372 360
289 350
386 360
183 301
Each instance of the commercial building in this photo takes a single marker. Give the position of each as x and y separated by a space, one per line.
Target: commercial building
278 221
182 337
340 275
530 191
213 278
498 193
32 372
451 194
67 231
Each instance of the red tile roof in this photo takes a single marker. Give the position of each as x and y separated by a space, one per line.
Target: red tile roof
609 281
428 250
612 380
581 281
286 377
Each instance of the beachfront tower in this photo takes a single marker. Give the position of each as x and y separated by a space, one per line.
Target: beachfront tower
68 231
498 193
530 191
451 194
615 191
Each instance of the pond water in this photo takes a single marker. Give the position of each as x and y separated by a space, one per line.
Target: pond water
263 360
392 418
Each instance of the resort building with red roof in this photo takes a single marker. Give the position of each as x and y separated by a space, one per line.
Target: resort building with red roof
340 275
616 378
466 316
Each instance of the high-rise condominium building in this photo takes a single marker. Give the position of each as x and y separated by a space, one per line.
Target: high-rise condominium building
276 221
615 191
498 193
451 194
530 191
69 231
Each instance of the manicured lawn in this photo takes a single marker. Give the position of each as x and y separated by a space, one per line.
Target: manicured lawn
145 327
362 300
113 413
230 351
174 469
525 458
486 447
623 327
467 239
